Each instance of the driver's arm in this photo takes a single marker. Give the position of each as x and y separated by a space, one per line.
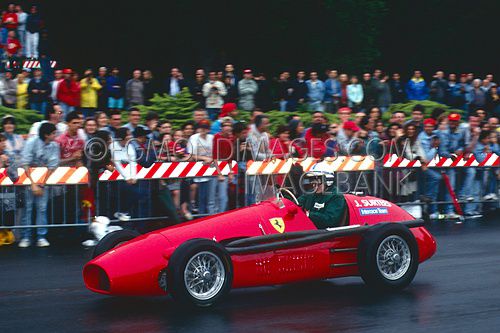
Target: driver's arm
331 215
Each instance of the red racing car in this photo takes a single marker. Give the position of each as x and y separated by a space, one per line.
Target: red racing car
273 242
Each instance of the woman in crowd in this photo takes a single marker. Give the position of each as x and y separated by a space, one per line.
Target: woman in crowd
90 128
355 94
22 92
101 119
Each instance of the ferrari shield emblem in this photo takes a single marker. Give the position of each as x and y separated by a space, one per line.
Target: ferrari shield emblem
278 224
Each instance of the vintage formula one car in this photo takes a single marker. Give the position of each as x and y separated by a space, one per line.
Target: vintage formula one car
273 242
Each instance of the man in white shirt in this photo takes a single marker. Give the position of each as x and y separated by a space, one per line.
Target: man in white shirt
123 152
200 148
58 77
213 91
21 26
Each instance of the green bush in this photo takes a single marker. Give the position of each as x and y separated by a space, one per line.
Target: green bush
24 118
408 107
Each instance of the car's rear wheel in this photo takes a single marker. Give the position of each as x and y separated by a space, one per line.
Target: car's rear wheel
199 272
388 256
112 240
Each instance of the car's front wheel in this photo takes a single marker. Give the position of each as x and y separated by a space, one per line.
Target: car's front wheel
199 272
388 256
112 240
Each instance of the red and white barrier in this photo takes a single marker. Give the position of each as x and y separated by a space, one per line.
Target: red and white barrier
491 160
60 176
32 64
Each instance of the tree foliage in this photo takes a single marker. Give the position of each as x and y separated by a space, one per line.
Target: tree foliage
24 118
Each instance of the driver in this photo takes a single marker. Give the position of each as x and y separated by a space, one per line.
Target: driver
321 202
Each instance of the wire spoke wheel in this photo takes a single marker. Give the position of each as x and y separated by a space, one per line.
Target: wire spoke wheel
204 275
393 257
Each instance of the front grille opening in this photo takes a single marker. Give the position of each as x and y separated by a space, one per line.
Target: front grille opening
96 278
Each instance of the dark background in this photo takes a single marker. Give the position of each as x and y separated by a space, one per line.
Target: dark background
271 36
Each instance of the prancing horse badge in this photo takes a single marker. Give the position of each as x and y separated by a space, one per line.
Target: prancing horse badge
278 224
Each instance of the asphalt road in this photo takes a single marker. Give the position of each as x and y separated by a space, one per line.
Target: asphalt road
458 290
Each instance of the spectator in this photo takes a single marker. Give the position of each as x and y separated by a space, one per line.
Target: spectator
222 150
135 89
40 151
90 128
263 97
296 128
90 87
151 121
431 144
68 92
115 122
316 138
13 49
247 88
412 150
455 92
316 92
397 89
122 152
282 86
232 91
9 21
354 94
144 156
417 117
22 93
21 27
281 146
199 115
344 115
71 144
54 116
344 82
375 114
115 88
493 102
102 94
258 138
14 142
200 148
8 90
101 119
38 92
149 85
175 82
416 88
477 96
349 144
383 93
332 92
196 89
398 117
134 119
33 29
297 92
438 88
228 110
229 72
54 85
214 91
369 91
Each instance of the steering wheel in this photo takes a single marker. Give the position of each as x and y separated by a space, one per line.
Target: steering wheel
292 196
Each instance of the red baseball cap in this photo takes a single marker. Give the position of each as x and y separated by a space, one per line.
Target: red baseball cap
430 121
67 71
247 71
227 109
454 117
350 125
345 109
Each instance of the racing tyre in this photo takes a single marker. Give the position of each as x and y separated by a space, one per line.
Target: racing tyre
199 273
112 240
388 256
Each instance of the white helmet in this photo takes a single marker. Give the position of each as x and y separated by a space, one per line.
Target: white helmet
318 172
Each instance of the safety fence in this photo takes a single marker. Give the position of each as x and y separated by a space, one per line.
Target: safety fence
76 194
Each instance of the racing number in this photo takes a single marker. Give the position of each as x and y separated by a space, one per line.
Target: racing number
278 224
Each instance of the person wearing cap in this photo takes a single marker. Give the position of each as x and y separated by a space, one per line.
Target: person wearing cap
349 144
213 91
8 90
247 89
68 92
430 143
229 110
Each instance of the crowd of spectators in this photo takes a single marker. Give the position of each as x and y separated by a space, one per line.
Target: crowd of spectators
105 106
